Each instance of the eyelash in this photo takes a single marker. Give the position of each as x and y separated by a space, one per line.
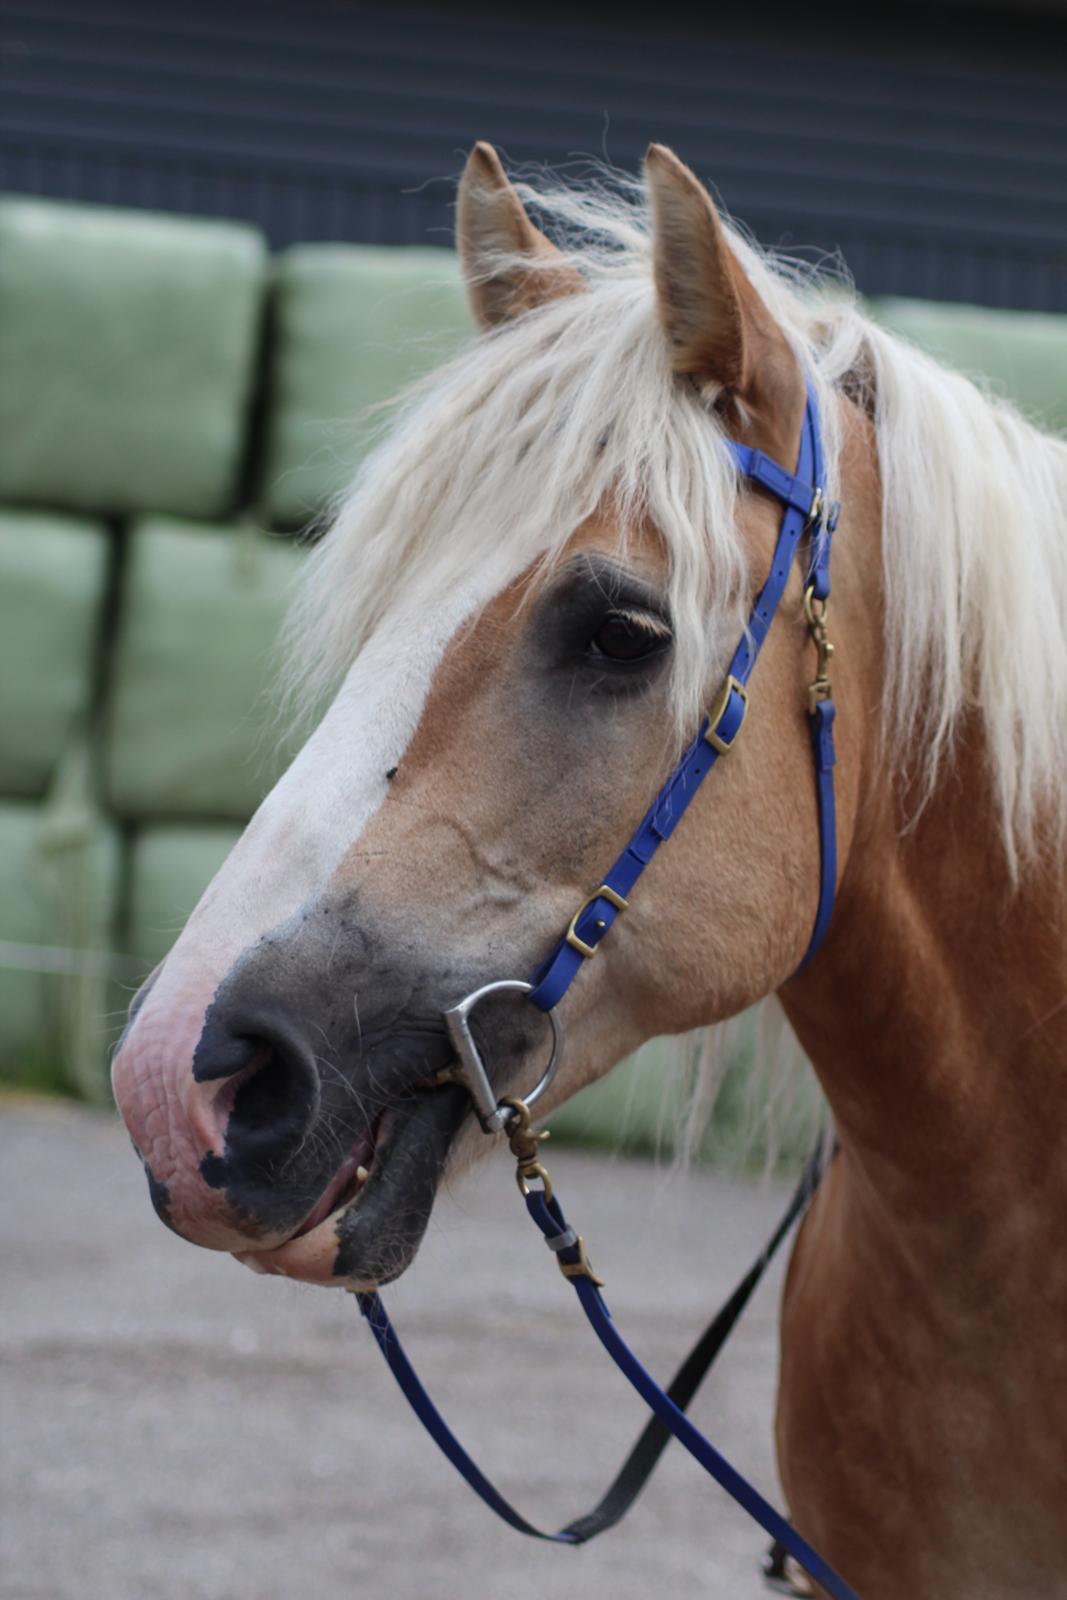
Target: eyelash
647 621
648 634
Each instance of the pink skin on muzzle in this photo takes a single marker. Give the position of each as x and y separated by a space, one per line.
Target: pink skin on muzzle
173 1120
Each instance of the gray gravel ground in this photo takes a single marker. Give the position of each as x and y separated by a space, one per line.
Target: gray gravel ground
175 1428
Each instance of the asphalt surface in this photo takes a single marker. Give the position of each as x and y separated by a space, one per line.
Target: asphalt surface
173 1427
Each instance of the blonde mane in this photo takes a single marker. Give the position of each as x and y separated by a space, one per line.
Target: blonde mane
490 463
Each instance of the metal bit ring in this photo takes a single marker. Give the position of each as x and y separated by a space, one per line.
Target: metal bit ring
470 1069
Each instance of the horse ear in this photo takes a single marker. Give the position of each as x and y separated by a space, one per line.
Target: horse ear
720 331
509 265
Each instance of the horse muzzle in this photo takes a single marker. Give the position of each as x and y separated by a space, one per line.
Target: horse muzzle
308 1143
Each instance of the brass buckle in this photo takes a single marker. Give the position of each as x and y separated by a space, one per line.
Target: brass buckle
580 1268
724 746
603 893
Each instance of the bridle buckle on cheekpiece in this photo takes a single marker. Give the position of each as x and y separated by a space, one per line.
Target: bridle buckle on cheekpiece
605 892
715 715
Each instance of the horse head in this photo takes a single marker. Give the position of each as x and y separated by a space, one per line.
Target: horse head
530 595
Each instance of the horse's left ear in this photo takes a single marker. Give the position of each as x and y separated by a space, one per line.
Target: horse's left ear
509 265
720 332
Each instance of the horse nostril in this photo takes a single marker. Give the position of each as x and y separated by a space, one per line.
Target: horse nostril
270 1091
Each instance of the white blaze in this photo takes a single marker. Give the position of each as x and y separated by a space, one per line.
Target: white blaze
286 856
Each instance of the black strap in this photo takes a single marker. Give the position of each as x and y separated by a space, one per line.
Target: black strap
654 1438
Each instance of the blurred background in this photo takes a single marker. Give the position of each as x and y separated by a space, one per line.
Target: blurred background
225 230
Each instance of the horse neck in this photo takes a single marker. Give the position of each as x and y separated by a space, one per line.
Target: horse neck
936 1014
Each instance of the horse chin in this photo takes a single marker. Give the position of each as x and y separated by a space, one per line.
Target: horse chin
372 1232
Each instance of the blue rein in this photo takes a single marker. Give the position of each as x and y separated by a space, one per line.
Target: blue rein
807 510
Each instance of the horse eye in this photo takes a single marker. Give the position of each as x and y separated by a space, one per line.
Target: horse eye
625 637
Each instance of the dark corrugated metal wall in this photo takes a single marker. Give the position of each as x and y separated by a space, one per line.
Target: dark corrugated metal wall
927 144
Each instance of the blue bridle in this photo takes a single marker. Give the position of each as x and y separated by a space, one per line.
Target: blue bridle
807 511
803 494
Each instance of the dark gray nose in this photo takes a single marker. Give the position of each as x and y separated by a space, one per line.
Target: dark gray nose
274 1077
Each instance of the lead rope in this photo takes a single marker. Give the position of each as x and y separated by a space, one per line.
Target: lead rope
668 1406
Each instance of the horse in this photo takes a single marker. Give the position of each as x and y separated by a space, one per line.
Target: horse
519 612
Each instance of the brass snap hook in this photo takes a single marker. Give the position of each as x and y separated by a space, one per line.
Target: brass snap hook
524 1140
819 688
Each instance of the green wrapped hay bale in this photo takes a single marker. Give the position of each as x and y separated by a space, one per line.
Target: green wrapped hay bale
351 326
1021 354
59 873
24 931
632 1110
755 1104
128 347
53 575
192 725
170 867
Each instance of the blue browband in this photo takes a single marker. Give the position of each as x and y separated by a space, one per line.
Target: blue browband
807 508
807 511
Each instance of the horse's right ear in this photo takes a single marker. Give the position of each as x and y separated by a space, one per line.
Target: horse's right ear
509 265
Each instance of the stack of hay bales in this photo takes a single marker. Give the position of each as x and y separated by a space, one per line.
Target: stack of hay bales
157 450
58 858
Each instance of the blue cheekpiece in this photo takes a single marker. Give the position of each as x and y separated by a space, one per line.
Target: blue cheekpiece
807 509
